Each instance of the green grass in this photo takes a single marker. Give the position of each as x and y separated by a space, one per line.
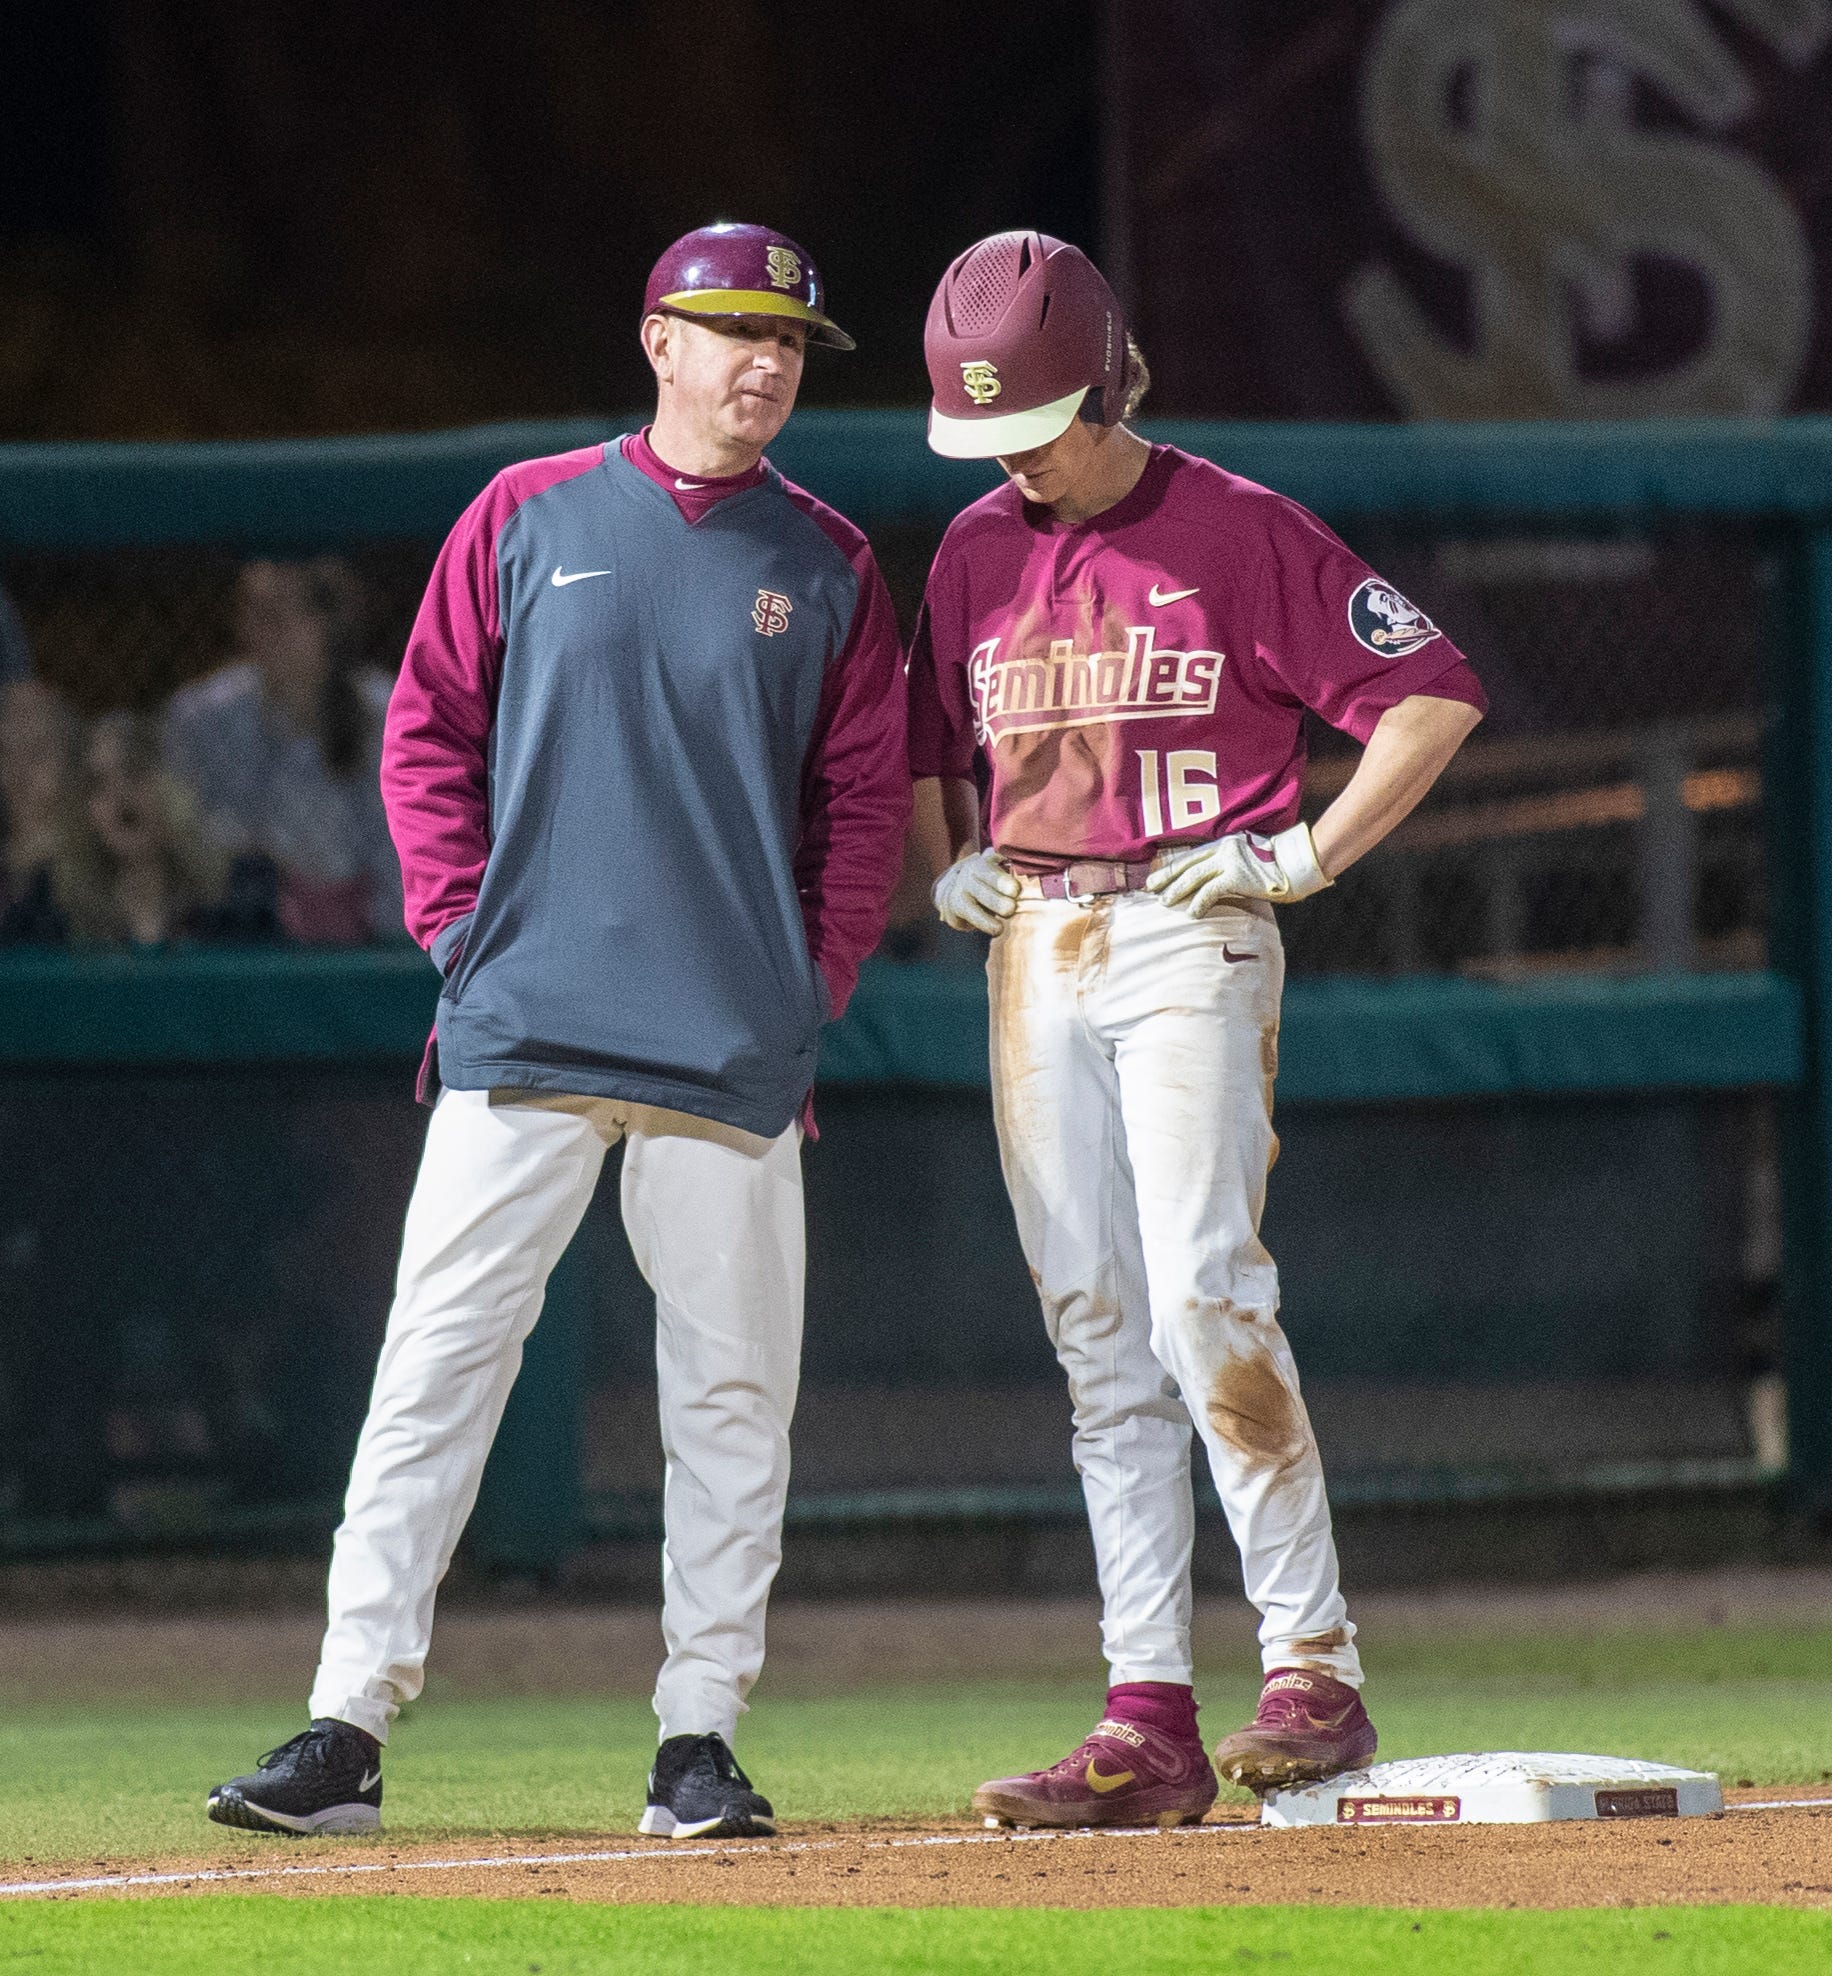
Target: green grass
1701 1656
508 1938
89 1784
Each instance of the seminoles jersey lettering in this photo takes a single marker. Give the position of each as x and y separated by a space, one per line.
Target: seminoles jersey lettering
1017 691
1142 678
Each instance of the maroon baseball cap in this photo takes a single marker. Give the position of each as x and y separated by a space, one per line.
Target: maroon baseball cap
736 270
1021 330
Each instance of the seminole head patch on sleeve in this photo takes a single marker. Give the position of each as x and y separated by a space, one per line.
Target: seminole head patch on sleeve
1384 622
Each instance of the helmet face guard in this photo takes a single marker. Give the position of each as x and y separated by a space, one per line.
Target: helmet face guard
737 270
1023 337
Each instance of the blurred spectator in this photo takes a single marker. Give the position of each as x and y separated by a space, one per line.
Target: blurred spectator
15 653
128 861
37 759
282 748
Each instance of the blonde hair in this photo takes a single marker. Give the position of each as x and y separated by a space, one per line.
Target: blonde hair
84 874
1138 377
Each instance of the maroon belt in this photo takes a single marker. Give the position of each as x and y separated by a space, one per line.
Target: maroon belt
1094 878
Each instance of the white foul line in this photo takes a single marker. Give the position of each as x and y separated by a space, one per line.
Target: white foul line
16 1889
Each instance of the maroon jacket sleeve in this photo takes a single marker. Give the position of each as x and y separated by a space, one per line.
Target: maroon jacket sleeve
435 777
855 801
943 738
436 738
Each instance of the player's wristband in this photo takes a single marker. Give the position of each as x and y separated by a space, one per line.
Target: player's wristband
1296 852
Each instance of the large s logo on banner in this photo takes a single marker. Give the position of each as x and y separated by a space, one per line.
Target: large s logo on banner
1511 140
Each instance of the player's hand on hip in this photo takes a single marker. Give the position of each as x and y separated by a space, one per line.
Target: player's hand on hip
1242 866
977 893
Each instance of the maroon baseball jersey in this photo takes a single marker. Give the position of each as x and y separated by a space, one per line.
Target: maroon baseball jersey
1141 678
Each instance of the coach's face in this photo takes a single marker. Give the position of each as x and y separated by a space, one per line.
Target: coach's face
733 375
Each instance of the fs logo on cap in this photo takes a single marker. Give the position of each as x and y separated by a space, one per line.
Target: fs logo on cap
1385 623
784 265
770 613
980 381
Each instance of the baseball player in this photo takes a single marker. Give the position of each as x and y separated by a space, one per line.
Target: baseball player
1119 646
645 770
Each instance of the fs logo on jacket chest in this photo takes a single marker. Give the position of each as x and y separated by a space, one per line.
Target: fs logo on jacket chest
770 613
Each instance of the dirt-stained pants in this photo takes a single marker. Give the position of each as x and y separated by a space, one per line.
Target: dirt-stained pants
715 1220
1133 1057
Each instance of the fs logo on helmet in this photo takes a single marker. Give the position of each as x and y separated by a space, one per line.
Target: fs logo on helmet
770 613
980 381
1385 623
784 265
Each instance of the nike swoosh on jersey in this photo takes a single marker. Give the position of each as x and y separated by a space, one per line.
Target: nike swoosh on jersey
578 576
1228 954
1103 1784
688 486
1156 596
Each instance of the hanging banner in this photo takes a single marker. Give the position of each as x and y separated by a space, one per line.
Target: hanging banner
1475 208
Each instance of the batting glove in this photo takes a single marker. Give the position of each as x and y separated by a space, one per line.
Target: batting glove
977 893
1243 866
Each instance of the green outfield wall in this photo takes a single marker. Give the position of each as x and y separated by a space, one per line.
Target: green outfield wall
874 466
1341 1042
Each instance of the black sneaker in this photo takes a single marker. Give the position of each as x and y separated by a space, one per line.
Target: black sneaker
697 1791
327 1779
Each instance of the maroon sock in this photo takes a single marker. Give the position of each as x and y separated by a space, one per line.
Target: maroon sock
1166 1706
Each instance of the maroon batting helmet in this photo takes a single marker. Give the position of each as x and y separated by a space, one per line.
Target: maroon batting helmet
736 270
1022 329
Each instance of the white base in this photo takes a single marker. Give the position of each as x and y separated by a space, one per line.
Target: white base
1505 1788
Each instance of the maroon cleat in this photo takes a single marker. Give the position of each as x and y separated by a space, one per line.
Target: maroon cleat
1122 1775
1309 1725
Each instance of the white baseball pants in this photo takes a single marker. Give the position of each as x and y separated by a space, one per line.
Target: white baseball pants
1133 1057
715 1219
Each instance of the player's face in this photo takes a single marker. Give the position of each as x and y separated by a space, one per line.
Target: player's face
738 375
1058 471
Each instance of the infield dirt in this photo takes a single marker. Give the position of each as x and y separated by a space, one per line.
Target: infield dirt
1782 1856
1766 1856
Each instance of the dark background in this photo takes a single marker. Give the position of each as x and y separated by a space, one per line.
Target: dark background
236 220
220 219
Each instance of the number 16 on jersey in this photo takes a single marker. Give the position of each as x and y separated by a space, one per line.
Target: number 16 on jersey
1177 789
